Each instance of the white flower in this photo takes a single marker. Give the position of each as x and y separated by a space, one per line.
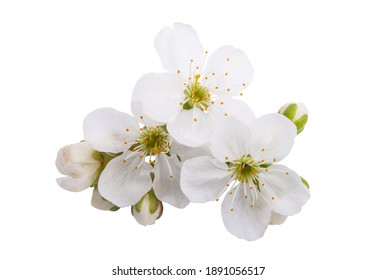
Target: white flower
147 210
191 97
244 165
127 178
77 162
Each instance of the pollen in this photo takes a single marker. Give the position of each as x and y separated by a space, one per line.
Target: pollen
195 119
228 59
191 60
206 52
197 67
216 87
251 188
273 198
227 185
181 103
124 161
246 196
262 184
141 117
266 170
231 209
228 89
127 129
251 205
225 114
125 142
229 170
226 158
274 159
212 102
262 149
222 103
178 71
217 199
136 167
226 73
171 177
241 94
230 193
213 73
244 84
286 173
141 156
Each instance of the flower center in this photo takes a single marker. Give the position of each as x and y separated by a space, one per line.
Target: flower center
153 141
245 169
196 96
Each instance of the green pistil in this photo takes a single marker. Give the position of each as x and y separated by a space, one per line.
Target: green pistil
245 169
153 141
197 96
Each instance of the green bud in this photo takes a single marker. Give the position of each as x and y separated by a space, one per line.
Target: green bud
304 182
148 209
297 113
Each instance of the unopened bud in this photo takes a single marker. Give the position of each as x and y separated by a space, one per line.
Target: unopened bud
101 203
148 209
297 113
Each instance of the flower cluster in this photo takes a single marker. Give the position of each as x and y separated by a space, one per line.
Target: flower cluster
189 140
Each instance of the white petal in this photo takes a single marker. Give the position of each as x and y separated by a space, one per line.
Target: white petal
121 183
76 184
177 47
99 202
204 178
273 139
107 130
160 96
285 186
277 219
230 107
230 70
231 140
137 111
244 221
192 127
185 152
166 184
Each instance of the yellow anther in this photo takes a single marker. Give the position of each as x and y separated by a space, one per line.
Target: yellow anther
217 199
226 158
246 196
141 117
228 89
266 170
125 142
230 193
213 73
178 71
127 129
231 209
171 177
216 87
274 159
251 205
222 103
286 173
124 161
241 94
244 84
225 115
228 59
251 188
195 119
273 198
262 149
226 73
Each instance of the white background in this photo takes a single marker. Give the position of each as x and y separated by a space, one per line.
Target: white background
59 60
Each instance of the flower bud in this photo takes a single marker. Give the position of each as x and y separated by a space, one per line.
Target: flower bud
77 162
148 209
297 113
101 203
